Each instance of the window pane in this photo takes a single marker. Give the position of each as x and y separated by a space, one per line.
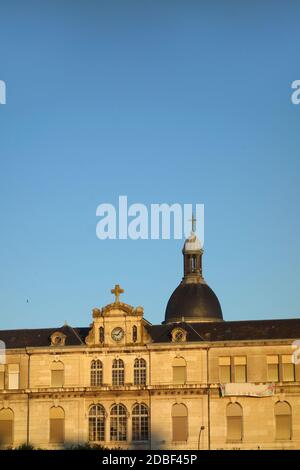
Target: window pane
140 423
118 374
180 428
96 428
139 372
118 423
96 373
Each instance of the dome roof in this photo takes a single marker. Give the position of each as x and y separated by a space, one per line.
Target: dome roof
193 302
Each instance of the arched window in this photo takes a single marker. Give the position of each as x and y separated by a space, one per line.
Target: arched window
118 423
179 370
283 419
57 374
97 423
118 372
6 427
140 423
96 373
180 422
140 370
234 415
57 425
134 334
101 334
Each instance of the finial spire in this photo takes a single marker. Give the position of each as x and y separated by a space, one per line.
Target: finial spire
193 220
117 291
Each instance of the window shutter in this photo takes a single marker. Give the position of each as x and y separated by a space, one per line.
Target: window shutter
179 422
240 369
179 374
57 430
273 368
288 369
6 427
234 428
283 427
13 376
180 428
240 374
224 370
234 414
283 419
6 432
57 378
273 373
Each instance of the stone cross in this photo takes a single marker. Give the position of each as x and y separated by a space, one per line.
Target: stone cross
117 291
193 220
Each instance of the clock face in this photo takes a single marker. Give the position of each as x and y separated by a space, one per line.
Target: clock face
117 333
179 336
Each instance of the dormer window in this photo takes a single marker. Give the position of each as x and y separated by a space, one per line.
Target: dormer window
58 339
178 335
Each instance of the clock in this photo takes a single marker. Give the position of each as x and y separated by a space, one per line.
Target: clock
178 336
117 333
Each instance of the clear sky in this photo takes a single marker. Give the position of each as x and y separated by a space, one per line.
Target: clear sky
163 101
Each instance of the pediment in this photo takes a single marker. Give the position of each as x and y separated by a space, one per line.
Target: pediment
117 308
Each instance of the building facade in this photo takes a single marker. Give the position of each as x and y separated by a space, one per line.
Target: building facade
193 382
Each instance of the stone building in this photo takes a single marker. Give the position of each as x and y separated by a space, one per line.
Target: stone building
193 382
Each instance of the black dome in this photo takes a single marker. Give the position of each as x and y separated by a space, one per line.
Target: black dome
194 302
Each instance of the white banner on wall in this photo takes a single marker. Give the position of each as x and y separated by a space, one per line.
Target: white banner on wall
248 389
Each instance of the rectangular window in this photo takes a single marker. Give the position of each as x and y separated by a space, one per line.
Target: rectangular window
57 431
2 376
240 369
57 378
179 374
273 368
224 370
13 376
118 377
96 377
96 429
288 368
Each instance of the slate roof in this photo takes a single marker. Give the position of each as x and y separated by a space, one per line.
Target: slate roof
41 337
210 331
230 330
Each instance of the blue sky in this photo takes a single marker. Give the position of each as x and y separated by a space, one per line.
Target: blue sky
162 101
